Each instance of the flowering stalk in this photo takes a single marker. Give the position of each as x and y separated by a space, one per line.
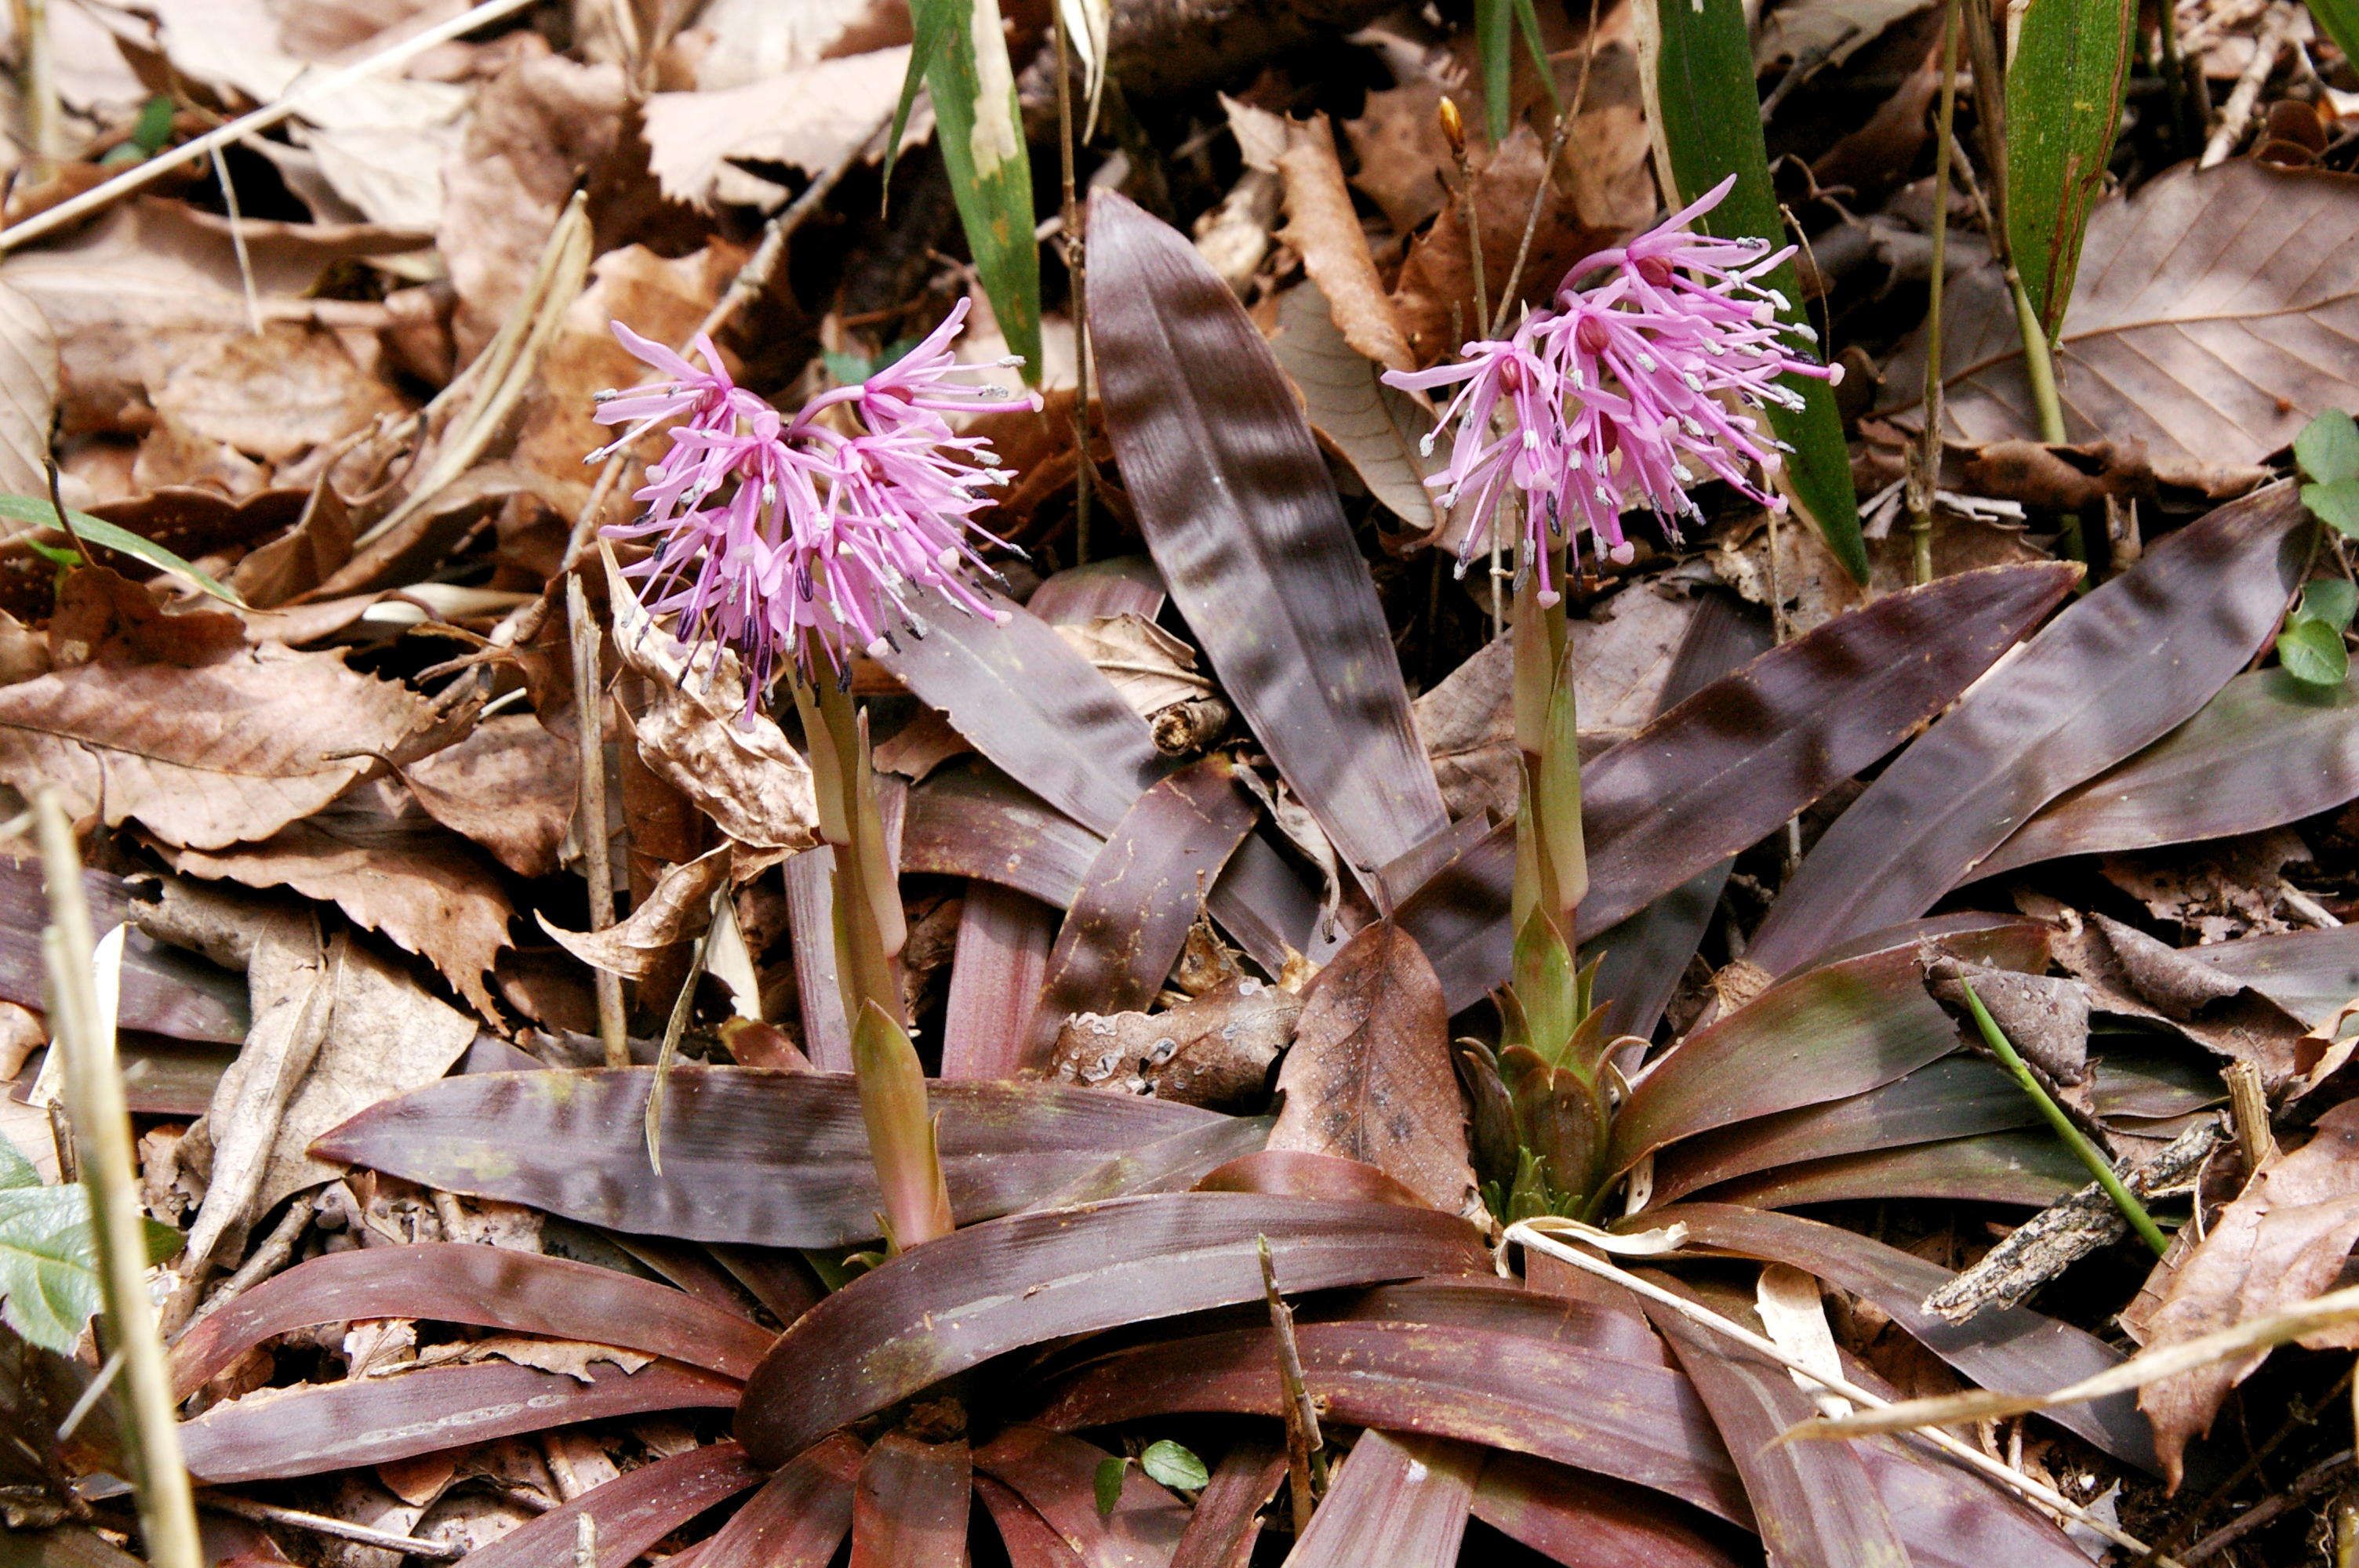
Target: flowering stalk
800 541
1619 396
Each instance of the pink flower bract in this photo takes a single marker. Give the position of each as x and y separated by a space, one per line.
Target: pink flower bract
797 537
1624 393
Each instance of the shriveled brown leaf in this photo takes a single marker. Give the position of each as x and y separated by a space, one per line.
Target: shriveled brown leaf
920 746
510 787
573 1357
1379 430
103 617
695 733
318 547
201 757
2193 325
29 392
2218 891
659 299
276 396
536 127
1322 224
2130 972
1369 1076
2282 1241
388 865
1215 1050
2044 1016
23 653
675 912
807 119
1151 669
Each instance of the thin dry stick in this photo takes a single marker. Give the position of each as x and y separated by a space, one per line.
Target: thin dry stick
2237 117
2299 1417
237 242
1929 475
2248 1113
163 163
590 815
268 1259
1076 268
41 108
1303 1437
2315 1479
1704 1318
167 1519
321 1524
750 281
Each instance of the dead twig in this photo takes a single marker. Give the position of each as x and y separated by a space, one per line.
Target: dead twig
590 815
321 1524
1302 1435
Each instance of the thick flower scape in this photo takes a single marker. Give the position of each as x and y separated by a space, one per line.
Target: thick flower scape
795 537
1618 395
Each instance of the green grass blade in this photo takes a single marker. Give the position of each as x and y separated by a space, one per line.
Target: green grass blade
2063 101
105 536
1495 27
982 137
934 23
1695 62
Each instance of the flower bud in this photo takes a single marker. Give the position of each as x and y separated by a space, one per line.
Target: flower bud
1453 129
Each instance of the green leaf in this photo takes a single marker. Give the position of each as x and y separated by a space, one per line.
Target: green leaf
102 535
2336 504
2064 90
846 370
2327 447
1695 62
2331 599
901 1135
2340 21
154 126
1109 1483
2312 653
1544 986
982 137
935 23
49 1259
1494 23
1174 1466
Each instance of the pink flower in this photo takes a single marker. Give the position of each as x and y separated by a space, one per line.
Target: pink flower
1619 394
803 539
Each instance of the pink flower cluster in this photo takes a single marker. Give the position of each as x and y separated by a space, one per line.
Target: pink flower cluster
802 537
1618 395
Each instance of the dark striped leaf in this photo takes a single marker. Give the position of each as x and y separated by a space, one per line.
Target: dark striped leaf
1222 1529
631 1513
1573 1520
798 1518
910 1507
2028 1168
1057 1475
1399 1500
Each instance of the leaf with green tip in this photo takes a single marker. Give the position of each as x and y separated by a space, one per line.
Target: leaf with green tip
981 134
2312 652
2064 83
2327 447
100 534
1695 60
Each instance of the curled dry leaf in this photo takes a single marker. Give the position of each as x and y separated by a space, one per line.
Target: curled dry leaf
1215 1050
201 757
1151 669
273 397
2282 1241
1322 224
510 787
676 912
807 119
29 392
696 735
1369 1077
1378 428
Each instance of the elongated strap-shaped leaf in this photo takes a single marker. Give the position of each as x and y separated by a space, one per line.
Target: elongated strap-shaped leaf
1057 1475
2310 974
524 1292
1224 1526
631 1513
2028 1168
1834 1031
165 990
1131 914
1952 1519
1695 72
798 1518
951 1303
2069 62
1724 768
2267 751
314 1428
2115 671
2007 1347
1818 1508
1027 1538
1572 1520
1955 1097
1240 512
981 134
1004 938
772 1159
909 1509
1566 1401
98 533
977 822
1400 1500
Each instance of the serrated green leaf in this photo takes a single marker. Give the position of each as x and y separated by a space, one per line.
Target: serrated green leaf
1174 1466
103 535
982 137
2331 599
2312 653
1108 1482
2327 447
2064 85
1696 60
2336 504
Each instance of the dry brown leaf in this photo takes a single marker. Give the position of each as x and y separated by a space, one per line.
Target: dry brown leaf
2195 324
1322 226
537 127
659 298
376 854
318 547
573 1357
2281 1242
276 396
201 757
1831 30
510 787
2219 890
920 746
23 653
1215 1050
807 119
2131 973
1369 1076
1151 669
675 912
104 618
696 734
29 392
1378 428
1405 166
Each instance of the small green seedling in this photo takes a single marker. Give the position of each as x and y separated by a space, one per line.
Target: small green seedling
2311 648
2328 452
